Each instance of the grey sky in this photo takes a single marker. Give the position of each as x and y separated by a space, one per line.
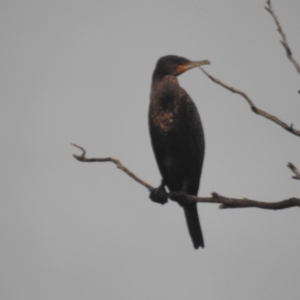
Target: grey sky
80 71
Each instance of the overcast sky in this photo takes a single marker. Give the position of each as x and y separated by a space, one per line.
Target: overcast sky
80 71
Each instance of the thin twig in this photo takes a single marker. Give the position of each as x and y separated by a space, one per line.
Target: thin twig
256 110
113 160
284 41
294 170
224 201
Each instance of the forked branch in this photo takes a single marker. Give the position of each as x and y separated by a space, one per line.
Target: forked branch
113 160
255 109
284 41
215 198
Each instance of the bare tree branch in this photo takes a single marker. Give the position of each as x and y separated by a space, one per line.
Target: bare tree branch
224 201
284 41
256 110
113 160
243 203
294 170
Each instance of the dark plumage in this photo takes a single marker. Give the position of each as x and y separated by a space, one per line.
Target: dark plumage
177 138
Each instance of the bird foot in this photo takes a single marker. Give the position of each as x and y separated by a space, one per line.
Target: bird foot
180 198
159 195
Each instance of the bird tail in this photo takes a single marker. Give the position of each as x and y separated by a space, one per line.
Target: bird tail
193 223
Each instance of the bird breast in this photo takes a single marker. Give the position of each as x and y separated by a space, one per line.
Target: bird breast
165 103
163 119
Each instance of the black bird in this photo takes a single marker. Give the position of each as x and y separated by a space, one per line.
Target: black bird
177 139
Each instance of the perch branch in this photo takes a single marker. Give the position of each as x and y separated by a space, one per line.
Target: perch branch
113 160
284 41
215 198
243 203
294 170
255 109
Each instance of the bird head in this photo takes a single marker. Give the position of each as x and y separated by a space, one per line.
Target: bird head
175 65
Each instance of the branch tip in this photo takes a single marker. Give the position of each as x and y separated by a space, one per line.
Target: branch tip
79 157
294 170
284 41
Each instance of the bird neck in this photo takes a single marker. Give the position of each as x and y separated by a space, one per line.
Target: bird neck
163 80
166 102
164 91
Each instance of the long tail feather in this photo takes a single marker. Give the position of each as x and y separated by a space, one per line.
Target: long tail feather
193 223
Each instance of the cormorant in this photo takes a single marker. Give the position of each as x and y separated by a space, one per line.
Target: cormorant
177 139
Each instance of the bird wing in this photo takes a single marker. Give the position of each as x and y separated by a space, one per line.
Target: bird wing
197 145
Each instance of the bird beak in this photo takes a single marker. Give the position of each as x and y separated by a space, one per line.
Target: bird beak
192 64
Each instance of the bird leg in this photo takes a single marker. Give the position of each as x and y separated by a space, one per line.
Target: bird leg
159 195
181 196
